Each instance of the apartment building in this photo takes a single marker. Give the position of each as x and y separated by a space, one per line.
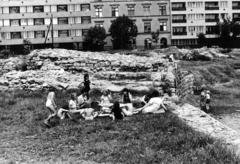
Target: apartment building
149 16
30 20
191 17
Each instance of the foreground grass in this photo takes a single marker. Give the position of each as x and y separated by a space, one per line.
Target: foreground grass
140 139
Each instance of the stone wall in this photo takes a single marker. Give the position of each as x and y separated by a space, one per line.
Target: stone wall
63 69
77 61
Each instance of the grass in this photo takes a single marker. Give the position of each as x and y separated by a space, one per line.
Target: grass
160 138
223 80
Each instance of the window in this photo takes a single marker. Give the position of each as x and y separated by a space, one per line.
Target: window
180 18
146 9
131 10
115 11
77 20
84 32
71 8
211 6
63 20
14 9
39 34
236 16
62 8
72 33
162 10
15 22
6 22
211 17
85 7
16 35
98 11
178 6
163 26
236 5
86 20
223 4
38 21
179 30
29 9
38 9
23 9
99 23
63 33
212 29
147 27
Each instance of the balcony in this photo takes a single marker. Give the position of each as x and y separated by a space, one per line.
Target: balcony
212 8
236 19
180 33
179 9
236 7
211 20
179 21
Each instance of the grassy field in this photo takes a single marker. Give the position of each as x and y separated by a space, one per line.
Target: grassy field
160 138
222 77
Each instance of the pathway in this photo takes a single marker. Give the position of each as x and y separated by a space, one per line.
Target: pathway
202 122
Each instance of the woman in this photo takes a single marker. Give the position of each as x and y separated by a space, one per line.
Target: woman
155 104
51 106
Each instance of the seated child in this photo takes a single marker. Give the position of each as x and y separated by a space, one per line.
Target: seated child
105 102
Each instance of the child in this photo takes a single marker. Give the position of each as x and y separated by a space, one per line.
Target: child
207 100
86 85
117 111
72 107
126 96
81 100
51 106
105 102
202 99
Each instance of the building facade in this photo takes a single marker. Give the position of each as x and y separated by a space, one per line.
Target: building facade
179 21
191 17
149 16
30 20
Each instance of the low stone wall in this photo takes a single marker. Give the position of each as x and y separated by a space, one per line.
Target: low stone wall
77 61
63 69
204 123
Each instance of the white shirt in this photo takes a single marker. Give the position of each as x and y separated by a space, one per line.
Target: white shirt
72 105
156 100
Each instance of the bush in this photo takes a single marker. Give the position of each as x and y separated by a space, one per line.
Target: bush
5 54
94 40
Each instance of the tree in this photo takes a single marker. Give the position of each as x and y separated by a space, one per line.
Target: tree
123 32
202 40
155 36
229 30
94 41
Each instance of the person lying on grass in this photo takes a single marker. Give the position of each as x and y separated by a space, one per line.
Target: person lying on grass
154 105
51 105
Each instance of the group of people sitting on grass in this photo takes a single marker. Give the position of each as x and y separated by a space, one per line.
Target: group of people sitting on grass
117 110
